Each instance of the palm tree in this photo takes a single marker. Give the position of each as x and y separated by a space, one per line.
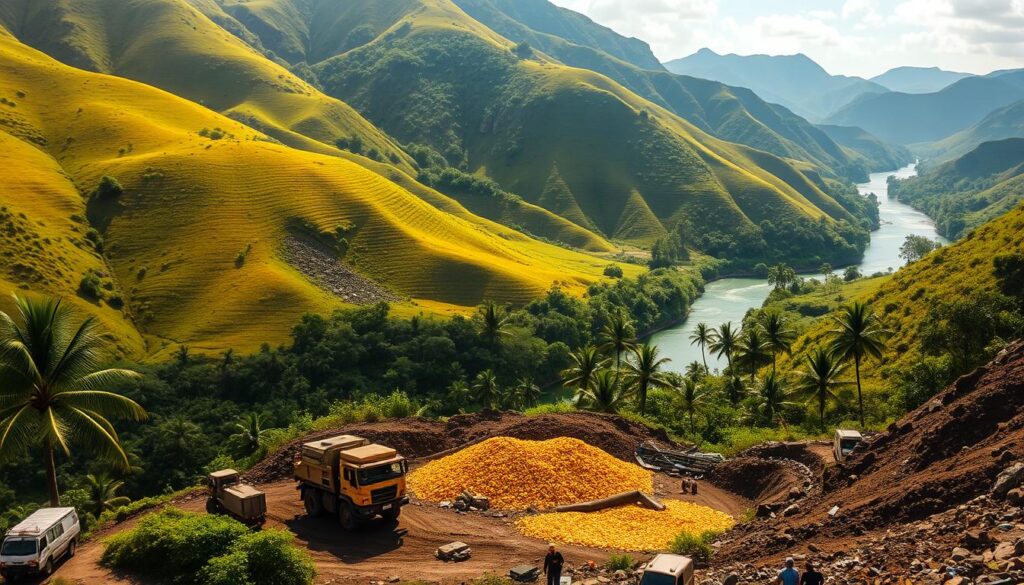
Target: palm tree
778 336
692 395
458 394
695 371
753 350
528 391
645 372
703 336
724 342
485 385
617 337
182 355
51 394
819 381
249 433
604 395
735 389
103 496
586 362
493 323
859 334
770 399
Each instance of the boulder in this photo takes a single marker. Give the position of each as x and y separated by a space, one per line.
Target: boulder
1010 478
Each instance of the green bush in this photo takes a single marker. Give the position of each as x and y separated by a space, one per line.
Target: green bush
261 558
90 286
554 408
695 546
172 545
613 271
109 188
619 563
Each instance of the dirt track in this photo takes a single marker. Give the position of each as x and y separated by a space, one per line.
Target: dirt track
404 550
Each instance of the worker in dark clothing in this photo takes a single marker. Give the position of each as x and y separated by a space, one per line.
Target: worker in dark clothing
553 565
811 576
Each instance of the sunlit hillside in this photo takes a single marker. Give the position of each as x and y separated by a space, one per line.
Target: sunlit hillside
197 241
570 140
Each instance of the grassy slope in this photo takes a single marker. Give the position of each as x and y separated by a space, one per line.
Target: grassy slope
171 45
1003 123
189 207
905 297
519 120
732 113
203 62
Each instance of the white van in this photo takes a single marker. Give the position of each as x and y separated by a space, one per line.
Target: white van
666 569
36 544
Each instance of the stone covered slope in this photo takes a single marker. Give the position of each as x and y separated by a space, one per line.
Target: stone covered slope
940 490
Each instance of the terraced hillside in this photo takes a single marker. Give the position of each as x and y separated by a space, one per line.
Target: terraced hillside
184 49
732 113
194 240
971 190
569 140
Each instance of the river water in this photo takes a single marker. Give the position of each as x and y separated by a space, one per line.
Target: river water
729 299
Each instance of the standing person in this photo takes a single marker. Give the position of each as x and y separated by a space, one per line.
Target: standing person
553 565
810 576
789 575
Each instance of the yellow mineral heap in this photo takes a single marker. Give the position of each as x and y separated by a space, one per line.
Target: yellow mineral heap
517 474
625 527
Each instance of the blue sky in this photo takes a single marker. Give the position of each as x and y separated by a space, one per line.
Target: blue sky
851 37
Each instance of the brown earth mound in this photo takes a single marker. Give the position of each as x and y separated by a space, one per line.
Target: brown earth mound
417 438
941 456
765 481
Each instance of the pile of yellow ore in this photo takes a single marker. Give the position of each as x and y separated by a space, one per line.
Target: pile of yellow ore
516 474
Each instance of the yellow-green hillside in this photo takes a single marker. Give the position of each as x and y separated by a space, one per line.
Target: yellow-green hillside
183 49
194 243
905 299
570 140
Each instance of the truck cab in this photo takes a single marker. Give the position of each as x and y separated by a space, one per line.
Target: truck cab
666 569
228 495
844 442
351 478
36 543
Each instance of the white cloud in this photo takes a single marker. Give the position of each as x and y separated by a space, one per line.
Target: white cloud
662 23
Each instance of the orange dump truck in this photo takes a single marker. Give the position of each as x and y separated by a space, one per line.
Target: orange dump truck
352 479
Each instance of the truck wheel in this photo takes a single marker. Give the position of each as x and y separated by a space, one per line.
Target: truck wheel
392 514
47 568
211 506
311 500
72 547
347 517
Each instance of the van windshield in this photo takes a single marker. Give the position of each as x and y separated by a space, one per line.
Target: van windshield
381 473
848 445
19 547
657 579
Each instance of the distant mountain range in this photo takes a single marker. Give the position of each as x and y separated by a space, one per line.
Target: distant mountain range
906 118
794 81
1006 122
918 79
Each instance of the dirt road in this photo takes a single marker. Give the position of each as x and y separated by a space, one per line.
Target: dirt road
405 550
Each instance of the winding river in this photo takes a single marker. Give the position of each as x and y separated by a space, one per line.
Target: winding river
729 299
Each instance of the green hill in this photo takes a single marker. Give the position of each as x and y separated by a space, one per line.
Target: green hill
1007 122
971 190
880 155
918 79
558 31
904 118
199 245
945 304
567 139
794 81
171 45
731 113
